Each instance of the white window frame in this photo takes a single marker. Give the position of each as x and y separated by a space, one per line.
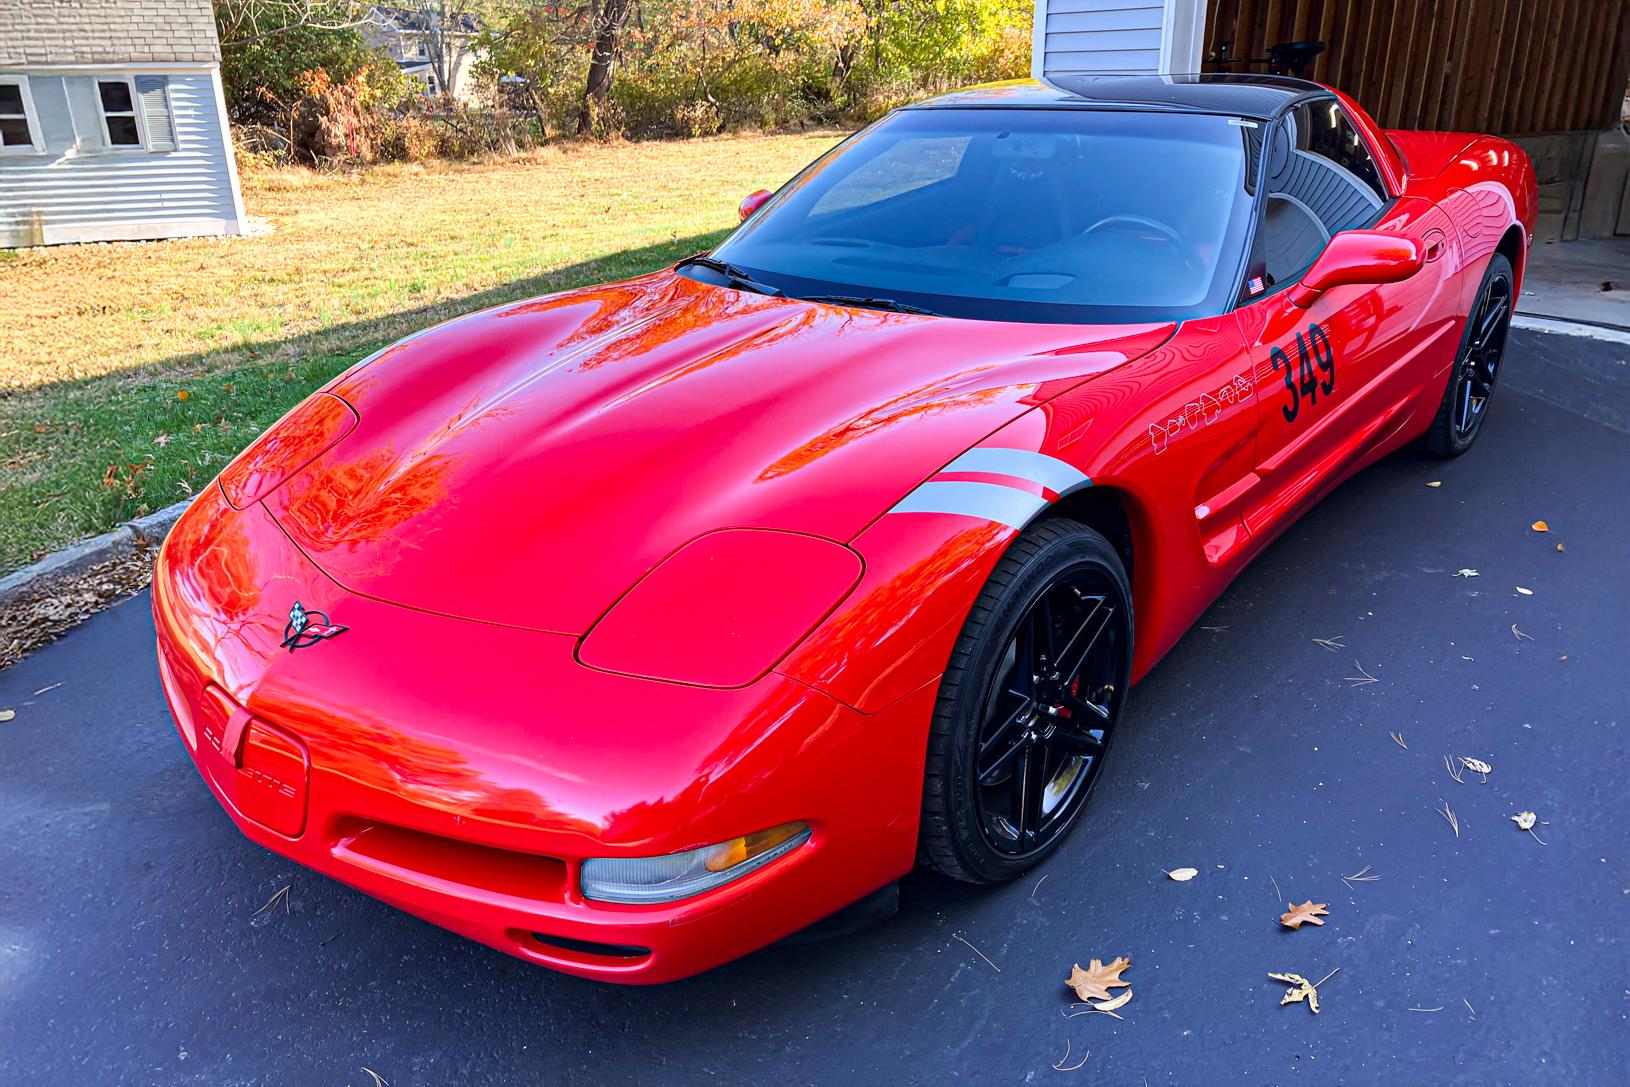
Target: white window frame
135 113
36 139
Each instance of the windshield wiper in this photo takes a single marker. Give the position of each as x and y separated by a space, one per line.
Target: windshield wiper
733 275
889 304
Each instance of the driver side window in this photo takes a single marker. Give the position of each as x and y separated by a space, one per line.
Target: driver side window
1320 180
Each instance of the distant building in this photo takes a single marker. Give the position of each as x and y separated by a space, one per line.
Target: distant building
409 36
112 123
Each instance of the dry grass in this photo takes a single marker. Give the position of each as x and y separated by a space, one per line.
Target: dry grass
361 247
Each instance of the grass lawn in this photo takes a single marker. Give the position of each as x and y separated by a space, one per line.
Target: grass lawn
130 373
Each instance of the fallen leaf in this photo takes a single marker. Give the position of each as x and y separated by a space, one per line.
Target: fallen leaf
1307 911
1435 483
1525 592
1302 989
6 715
1183 875
1540 526
1520 635
1466 572
1559 547
1096 980
1525 821
1118 1002
1476 766
182 394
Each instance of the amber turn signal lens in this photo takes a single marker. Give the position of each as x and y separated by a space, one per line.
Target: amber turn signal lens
681 875
727 855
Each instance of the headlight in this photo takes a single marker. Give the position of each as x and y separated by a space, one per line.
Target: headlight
288 445
681 875
724 609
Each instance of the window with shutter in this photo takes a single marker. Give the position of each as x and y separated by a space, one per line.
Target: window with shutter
119 121
153 100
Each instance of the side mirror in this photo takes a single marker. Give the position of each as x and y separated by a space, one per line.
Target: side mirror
1359 256
753 201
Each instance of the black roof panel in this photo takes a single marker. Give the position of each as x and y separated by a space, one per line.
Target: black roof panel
1240 95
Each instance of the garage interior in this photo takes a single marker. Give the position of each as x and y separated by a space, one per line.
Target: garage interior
1549 74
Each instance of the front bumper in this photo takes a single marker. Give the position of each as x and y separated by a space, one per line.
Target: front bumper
463 771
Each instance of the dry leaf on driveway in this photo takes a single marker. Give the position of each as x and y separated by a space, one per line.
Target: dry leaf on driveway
6 715
1525 591
1118 1002
1540 526
1466 571
1183 875
1302 989
1525 820
1307 911
1096 980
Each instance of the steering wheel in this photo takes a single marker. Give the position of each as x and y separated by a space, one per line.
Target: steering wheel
1138 220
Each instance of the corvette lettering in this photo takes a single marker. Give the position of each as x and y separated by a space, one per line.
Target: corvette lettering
1201 412
1312 350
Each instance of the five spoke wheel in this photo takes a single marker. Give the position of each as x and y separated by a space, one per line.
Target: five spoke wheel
1480 364
1466 397
1049 712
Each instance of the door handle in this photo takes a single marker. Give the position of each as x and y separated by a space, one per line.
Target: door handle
1434 241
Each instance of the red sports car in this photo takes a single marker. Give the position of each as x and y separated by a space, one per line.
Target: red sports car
632 628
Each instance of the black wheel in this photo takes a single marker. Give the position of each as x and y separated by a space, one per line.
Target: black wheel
1028 705
1471 381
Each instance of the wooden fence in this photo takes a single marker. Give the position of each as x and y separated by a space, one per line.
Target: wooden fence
1512 67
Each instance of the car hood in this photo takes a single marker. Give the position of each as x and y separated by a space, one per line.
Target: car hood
526 465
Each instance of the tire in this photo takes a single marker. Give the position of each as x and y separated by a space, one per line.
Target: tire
1005 736
1472 379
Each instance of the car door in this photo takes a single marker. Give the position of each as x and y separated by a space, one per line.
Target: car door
1332 379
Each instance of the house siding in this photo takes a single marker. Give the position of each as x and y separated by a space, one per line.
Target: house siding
1078 37
78 191
35 32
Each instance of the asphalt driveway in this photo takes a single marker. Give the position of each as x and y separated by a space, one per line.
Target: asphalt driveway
131 950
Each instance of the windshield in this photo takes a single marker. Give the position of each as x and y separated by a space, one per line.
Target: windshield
1015 215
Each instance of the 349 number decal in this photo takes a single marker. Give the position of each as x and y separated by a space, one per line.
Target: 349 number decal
1314 357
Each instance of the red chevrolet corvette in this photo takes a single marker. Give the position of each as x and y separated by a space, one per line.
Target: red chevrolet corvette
632 628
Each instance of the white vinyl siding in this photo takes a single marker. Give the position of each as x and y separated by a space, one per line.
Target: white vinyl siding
1116 37
178 183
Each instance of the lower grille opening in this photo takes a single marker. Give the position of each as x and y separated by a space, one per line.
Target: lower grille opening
589 947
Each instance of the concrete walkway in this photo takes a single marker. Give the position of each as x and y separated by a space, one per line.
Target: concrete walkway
1579 281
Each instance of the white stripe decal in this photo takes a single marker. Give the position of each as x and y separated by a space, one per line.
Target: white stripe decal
1056 475
986 501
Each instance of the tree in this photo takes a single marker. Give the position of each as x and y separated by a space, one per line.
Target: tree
269 47
543 45
609 21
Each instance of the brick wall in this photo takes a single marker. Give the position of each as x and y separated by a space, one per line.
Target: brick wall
34 32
